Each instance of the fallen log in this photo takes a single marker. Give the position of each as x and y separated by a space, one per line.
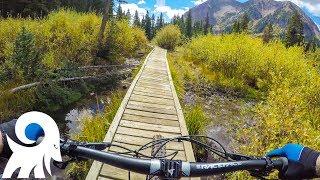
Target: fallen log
98 67
27 86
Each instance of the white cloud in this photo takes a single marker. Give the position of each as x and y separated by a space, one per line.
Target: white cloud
141 2
312 5
160 3
197 2
133 8
160 7
170 12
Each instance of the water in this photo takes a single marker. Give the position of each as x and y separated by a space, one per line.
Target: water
69 120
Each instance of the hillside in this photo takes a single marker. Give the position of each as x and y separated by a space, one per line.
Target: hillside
222 14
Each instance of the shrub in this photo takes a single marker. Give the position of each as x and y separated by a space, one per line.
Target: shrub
140 39
63 39
285 82
168 37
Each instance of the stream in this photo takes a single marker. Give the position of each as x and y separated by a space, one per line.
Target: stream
69 119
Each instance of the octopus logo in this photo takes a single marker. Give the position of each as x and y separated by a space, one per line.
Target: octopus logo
32 158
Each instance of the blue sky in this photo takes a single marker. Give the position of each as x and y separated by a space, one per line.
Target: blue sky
173 7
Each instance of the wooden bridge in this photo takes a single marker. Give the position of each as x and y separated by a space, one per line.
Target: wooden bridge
150 107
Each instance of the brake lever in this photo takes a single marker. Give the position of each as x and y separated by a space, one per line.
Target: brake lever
261 173
69 145
62 165
66 147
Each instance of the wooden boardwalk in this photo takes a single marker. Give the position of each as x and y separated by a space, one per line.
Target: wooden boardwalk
150 107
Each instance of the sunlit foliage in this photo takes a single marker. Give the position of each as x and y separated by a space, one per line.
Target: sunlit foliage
168 37
284 82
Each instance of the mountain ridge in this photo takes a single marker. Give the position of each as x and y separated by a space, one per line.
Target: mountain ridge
223 13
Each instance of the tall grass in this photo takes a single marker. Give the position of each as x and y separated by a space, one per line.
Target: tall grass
284 82
183 75
196 119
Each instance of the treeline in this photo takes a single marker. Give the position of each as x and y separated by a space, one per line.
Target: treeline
40 8
150 23
190 28
294 35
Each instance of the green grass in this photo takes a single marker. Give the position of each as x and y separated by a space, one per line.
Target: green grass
196 119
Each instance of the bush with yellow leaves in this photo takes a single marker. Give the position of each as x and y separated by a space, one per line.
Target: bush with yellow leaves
168 37
285 82
64 38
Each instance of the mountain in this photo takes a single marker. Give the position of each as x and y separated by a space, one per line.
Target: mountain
223 13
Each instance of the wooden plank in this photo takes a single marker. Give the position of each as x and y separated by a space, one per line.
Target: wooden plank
140 141
154 75
150 127
155 87
151 109
154 78
148 81
152 95
146 99
149 120
144 133
153 99
96 166
154 84
152 105
110 172
153 91
151 114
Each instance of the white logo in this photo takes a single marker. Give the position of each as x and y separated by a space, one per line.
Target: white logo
29 158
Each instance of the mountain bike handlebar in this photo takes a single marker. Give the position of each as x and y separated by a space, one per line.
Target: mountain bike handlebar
173 168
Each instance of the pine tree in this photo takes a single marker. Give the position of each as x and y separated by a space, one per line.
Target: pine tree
136 20
188 25
25 55
160 22
236 27
128 15
206 27
148 26
174 20
311 46
181 24
143 23
153 26
197 28
294 35
244 23
119 12
267 33
111 8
